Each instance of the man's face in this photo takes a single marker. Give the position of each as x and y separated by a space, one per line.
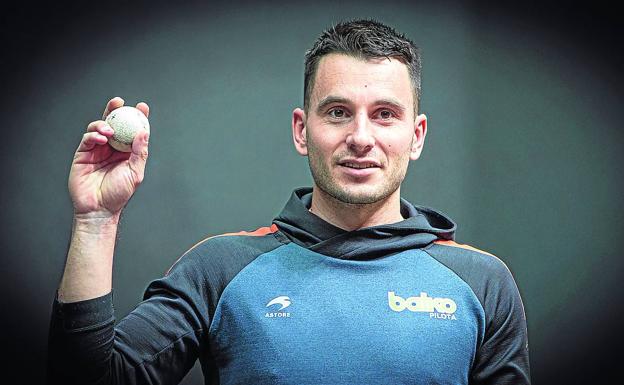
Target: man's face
360 130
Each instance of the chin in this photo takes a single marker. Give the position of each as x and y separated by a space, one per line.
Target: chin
359 195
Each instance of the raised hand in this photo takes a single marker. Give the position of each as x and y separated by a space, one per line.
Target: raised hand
102 180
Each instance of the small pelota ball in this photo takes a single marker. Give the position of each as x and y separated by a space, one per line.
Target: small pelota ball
126 122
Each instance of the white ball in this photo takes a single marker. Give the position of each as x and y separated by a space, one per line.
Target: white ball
126 122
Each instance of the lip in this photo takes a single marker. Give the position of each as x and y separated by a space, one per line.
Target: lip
359 172
360 162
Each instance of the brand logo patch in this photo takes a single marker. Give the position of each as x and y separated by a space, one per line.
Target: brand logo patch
284 302
441 308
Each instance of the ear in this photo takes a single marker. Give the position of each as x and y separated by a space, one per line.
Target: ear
420 131
299 131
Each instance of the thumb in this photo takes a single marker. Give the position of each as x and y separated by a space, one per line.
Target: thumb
138 158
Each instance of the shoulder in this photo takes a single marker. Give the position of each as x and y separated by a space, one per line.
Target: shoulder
503 355
461 258
229 251
487 275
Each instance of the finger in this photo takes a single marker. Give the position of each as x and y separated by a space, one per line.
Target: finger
115 102
144 108
102 161
90 140
101 127
139 155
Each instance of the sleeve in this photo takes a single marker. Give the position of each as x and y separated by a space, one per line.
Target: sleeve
503 356
157 343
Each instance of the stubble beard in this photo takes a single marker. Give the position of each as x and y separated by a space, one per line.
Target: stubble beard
323 179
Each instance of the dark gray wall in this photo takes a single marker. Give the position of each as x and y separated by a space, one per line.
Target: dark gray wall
522 150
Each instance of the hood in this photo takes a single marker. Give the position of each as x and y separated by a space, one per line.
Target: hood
421 226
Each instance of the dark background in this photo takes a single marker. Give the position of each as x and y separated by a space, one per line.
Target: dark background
523 151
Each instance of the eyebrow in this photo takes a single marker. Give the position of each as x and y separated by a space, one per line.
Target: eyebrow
391 102
326 101
331 99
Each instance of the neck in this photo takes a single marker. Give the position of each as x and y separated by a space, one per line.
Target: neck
348 216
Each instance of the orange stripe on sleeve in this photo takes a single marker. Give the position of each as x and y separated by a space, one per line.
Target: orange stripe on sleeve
256 233
468 247
462 246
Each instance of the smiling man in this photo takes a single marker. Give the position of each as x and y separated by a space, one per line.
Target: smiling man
349 284
359 132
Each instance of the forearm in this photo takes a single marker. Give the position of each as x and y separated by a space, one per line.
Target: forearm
89 266
157 342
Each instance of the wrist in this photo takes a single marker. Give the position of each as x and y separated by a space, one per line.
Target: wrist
96 221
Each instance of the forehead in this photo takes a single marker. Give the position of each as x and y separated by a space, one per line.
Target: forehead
355 78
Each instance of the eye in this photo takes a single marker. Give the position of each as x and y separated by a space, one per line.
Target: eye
337 113
385 114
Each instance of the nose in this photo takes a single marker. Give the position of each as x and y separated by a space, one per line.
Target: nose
361 139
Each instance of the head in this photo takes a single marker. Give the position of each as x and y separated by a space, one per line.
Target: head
359 126
363 39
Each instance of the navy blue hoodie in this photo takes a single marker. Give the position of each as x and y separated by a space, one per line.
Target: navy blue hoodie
305 302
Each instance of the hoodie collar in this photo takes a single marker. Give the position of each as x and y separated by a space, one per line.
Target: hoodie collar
420 227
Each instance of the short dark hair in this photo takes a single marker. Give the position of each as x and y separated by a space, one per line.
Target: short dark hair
363 39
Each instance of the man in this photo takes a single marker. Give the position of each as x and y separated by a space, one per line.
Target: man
349 284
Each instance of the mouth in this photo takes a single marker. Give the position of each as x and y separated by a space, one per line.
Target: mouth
360 163
359 168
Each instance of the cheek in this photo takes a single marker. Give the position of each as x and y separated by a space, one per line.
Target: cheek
397 146
323 146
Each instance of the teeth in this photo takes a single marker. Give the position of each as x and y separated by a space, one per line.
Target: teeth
354 165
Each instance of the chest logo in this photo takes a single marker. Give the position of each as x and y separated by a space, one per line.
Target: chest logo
441 308
283 301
